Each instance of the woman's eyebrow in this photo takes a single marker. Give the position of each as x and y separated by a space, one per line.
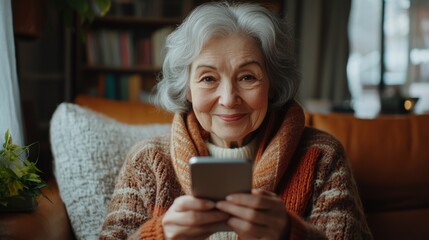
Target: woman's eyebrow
250 63
240 66
205 66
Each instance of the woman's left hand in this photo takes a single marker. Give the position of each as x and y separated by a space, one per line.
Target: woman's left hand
260 215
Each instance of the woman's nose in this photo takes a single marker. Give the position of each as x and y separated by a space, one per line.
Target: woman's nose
229 95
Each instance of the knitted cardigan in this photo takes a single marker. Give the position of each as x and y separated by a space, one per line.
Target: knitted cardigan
305 167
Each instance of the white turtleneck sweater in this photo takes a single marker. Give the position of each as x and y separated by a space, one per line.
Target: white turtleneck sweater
247 152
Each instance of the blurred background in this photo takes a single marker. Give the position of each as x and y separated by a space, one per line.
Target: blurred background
363 57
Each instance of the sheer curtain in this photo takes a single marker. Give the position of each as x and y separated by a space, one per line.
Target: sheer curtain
320 29
418 67
419 41
10 109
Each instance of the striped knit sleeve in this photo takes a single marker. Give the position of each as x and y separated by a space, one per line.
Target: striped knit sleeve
335 211
133 200
151 229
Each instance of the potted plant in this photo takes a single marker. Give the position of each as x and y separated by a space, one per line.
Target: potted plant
20 182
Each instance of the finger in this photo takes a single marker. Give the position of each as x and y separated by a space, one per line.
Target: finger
263 192
189 203
248 230
261 217
199 237
256 201
196 218
184 232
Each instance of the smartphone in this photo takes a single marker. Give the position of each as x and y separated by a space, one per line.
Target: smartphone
215 178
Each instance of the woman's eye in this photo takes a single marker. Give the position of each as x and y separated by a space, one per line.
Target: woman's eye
249 81
248 78
207 79
207 82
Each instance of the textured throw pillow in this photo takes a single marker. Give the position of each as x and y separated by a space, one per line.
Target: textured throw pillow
89 149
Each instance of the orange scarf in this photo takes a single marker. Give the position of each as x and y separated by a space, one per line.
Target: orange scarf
280 166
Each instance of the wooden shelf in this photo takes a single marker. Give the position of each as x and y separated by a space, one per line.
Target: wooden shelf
89 75
130 22
120 69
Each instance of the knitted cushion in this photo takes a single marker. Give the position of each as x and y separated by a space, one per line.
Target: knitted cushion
89 149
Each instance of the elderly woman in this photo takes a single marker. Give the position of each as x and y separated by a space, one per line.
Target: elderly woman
230 77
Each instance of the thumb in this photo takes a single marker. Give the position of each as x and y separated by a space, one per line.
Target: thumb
263 192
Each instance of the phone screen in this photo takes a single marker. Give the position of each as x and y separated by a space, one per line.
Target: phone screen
215 178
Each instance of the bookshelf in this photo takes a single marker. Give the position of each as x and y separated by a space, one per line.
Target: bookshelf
121 54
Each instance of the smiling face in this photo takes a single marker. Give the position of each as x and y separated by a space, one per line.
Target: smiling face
229 89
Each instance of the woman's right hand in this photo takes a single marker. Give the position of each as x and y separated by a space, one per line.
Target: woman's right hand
192 218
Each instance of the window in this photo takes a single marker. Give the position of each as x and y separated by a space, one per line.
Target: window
419 41
396 31
365 31
393 32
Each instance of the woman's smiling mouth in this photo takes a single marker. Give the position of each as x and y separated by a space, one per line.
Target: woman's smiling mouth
231 117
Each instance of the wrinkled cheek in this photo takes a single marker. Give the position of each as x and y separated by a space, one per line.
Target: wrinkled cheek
202 112
259 114
201 106
206 121
258 103
202 103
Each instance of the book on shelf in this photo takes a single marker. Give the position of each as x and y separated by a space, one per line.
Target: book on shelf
127 87
105 52
111 87
123 87
90 48
158 39
143 52
114 48
135 82
126 49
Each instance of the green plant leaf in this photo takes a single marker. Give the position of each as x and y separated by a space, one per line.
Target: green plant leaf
18 175
6 136
14 188
104 6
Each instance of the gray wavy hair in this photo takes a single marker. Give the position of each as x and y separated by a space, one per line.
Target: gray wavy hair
220 19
